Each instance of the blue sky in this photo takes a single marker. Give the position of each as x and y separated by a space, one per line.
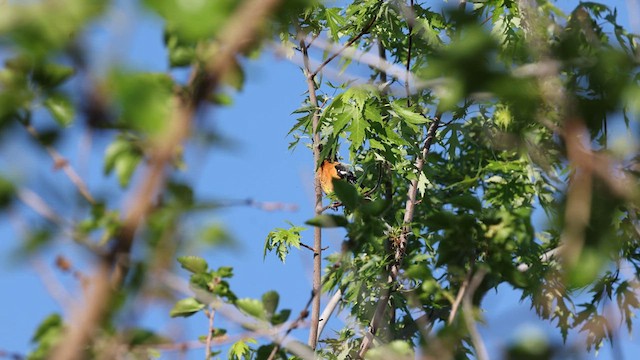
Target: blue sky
258 165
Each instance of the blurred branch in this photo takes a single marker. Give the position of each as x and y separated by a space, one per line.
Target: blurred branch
60 162
237 35
51 283
476 339
261 205
37 204
461 293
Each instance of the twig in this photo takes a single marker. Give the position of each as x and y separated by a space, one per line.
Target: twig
237 35
476 339
402 243
57 291
459 297
349 43
60 162
37 204
261 205
310 248
211 314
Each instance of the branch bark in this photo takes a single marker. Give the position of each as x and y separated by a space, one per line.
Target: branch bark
239 32
317 232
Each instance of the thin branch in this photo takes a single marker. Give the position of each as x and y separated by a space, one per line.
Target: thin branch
458 300
37 204
60 162
476 339
348 44
328 311
57 291
237 35
211 314
317 231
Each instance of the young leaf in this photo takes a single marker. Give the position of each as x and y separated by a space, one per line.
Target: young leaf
328 221
252 307
186 307
61 109
193 264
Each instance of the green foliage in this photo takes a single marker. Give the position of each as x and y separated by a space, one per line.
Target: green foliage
123 156
281 240
46 337
240 350
186 307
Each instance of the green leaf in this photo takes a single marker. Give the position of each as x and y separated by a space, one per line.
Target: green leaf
346 193
335 22
193 264
252 307
357 130
408 115
50 75
146 100
52 322
328 221
61 109
123 157
280 317
282 240
7 192
240 350
270 301
186 307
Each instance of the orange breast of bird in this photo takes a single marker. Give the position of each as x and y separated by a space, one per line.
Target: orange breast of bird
327 172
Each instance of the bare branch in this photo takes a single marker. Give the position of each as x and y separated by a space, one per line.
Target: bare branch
60 162
37 204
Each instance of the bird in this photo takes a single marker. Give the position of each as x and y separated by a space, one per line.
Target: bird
330 170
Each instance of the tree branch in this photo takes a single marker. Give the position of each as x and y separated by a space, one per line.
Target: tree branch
476 339
60 162
211 314
239 31
458 300
328 311
317 231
